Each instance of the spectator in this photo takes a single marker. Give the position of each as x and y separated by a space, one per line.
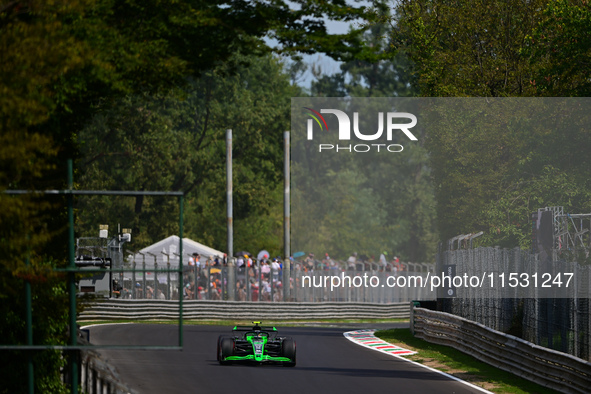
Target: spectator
394 268
194 260
383 260
275 267
328 262
265 290
240 291
215 285
240 262
278 294
187 293
116 290
254 289
309 262
265 269
351 261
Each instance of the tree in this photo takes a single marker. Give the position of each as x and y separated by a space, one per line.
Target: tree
467 49
63 60
395 191
560 49
64 57
365 202
380 72
176 141
495 161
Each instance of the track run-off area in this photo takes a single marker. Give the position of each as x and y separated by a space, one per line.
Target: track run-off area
327 362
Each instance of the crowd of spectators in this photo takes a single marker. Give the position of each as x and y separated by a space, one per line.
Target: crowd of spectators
206 278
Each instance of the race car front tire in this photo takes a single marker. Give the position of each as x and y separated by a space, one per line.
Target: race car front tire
226 349
289 350
218 350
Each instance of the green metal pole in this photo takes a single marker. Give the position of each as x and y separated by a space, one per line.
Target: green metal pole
181 202
29 323
72 282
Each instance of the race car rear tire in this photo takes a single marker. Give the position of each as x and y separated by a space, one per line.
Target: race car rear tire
226 349
289 350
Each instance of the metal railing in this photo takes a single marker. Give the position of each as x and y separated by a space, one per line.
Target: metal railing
532 313
72 348
546 367
260 283
98 376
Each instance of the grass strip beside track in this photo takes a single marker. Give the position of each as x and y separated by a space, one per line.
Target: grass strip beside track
460 365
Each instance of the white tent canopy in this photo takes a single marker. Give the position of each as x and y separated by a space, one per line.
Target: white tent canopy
171 246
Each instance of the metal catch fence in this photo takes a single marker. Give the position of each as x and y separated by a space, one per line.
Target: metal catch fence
261 283
541 315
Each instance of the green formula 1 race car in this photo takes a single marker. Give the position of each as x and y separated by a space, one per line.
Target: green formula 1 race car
256 344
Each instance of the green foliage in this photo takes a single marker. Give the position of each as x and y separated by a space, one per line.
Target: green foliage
63 60
496 162
361 202
365 206
177 141
467 48
34 54
368 205
560 49
509 216
382 73
49 306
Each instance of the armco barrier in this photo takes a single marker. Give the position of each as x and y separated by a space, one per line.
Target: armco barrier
239 310
549 368
98 376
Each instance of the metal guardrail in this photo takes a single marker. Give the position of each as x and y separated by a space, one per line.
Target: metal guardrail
121 309
549 368
98 377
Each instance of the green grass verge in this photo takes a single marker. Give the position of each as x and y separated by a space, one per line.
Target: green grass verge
461 365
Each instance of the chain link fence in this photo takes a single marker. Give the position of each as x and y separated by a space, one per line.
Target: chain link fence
528 312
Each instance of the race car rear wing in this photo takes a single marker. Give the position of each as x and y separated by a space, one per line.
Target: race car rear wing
256 327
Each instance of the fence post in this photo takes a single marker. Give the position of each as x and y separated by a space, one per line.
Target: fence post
229 195
231 279
72 283
260 281
286 218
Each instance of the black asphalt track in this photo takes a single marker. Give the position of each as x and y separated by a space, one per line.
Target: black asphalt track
326 363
